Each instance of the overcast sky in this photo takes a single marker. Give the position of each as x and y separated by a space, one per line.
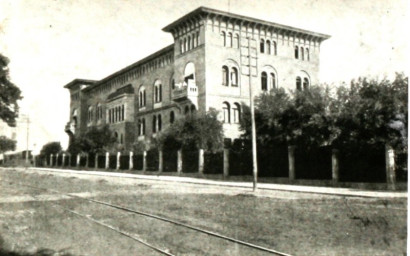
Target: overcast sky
51 42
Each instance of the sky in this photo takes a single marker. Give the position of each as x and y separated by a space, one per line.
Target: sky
51 42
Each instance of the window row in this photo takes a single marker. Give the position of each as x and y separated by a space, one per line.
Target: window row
189 42
116 114
268 47
142 95
236 113
120 138
268 82
156 123
229 77
229 40
302 53
299 83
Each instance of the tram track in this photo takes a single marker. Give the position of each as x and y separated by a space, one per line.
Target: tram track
148 215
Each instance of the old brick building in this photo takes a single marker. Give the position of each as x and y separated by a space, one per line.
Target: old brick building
214 58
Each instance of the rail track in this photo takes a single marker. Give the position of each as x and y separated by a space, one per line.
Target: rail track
145 214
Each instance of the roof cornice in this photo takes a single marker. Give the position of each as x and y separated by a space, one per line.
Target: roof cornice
207 11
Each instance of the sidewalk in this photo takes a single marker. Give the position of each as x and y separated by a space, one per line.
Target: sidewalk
264 186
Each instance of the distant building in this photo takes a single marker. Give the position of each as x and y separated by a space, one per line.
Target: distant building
214 58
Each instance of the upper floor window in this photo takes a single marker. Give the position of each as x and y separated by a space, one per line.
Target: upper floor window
298 84
307 54
302 53
154 124
264 81
262 46
142 97
141 127
226 112
274 51
157 91
223 35
236 41
188 43
194 41
225 77
234 77
296 52
159 123
230 43
181 46
268 47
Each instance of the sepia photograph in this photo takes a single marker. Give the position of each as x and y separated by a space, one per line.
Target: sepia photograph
203 127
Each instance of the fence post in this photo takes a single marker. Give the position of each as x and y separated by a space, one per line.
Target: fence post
96 161
291 158
77 164
179 161
144 161
160 161
201 161
226 162
34 160
335 166
107 160
69 160
131 160
57 159
118 161
390 168
63 160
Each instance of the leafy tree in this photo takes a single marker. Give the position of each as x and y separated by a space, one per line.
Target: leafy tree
50 148
6 144
9 94
201 131
372 112
95 140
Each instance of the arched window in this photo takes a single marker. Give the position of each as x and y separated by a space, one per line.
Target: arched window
268 47
121 138
272 80
230 44
236 113
74 118
194 41
226 112
185 45
90 114
234 77
262 46
274 51
171 117
157 91
223 35
236 41
264 81
307 54
197 39
296 52
189 43
159 121
142 97
143 126
116 136
305 83
189 72
302 53
298 84
154 124
193 109
181 46
186 111
225 76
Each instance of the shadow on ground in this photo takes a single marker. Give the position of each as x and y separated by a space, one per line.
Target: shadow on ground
39 252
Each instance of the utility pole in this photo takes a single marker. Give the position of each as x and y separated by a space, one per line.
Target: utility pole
253 51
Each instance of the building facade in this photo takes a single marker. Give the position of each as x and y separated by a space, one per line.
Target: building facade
215 58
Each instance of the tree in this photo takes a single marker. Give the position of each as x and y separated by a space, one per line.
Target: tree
6 144
9 94
201 131
95 140
50 148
